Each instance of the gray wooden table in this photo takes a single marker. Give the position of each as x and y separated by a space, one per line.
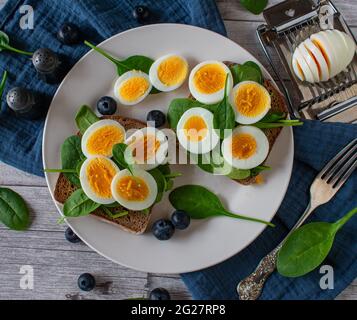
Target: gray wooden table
56 262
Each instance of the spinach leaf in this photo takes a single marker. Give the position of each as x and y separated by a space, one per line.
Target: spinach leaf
278 124
257 170
274 116
307 247
112 214
78 204
120 157
254 6
13 210
85 117
200 203
246 72
239 174
161 183
224 116
2 85
5 45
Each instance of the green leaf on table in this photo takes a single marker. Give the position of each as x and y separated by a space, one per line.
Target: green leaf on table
254 6
78 204
2 85
5 45
84 118
14 212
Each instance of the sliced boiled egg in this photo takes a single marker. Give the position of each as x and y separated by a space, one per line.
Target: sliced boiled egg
132 87
350 46
246 148
168 72
195 131
148 148
315 53
302 67
101 136
134 192
310 61
250 101
96 175
207 81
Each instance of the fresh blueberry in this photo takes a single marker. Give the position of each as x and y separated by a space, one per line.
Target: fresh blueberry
71 236
159 294
106 106
86 282
163 229
158 117
142 14
180 219
68 34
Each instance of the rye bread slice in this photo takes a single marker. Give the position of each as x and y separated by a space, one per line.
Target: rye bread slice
136 221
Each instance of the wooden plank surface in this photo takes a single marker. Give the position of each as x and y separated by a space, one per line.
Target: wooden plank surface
56 262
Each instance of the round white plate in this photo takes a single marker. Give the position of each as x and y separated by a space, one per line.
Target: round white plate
206 242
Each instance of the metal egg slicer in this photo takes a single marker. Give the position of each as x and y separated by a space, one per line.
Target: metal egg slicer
287 25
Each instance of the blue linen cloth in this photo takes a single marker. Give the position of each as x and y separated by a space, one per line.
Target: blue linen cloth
315 144
20 140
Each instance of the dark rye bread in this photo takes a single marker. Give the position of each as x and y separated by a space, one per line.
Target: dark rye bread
136 221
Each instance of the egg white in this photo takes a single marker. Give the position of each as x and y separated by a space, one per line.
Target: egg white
136 205
240 118
257 158
208 142
92 129
123 78
154 78
214 97
350 46
304 67
310 62
161 153
85 183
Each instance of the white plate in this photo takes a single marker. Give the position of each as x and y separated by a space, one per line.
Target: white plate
206 242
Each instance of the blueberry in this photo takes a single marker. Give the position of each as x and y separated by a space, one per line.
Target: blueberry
106 106
86 282
71 236
142 14
163 229
159 294
158 117
68 34
180 219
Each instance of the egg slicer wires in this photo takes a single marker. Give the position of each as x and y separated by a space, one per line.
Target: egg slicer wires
287 25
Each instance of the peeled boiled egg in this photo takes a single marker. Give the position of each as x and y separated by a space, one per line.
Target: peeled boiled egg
96 175
250 101
310 61
168 72
207 81
148 148
302 69
101 136
132 87
137 191
246 148
195 131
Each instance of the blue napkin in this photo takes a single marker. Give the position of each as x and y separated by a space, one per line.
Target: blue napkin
20 140
315 144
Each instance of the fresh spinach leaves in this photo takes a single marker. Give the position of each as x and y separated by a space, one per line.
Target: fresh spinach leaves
249 71
2 85
13 210
307 247
5 45
121 157
78 204
254 6
278 124
85 117
114 215
200 203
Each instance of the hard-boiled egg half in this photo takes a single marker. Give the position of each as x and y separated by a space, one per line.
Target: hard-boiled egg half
132 87
134 192
195 131
168 72
207 81
148 148
246 148
96 175
101 136
322 56
250 101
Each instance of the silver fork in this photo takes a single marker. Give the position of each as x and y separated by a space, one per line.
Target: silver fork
331 178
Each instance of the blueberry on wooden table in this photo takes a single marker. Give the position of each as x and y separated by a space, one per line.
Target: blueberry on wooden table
163 229
107 106
180 219
71 236
159 294
69 34
86 282
158 117
142 14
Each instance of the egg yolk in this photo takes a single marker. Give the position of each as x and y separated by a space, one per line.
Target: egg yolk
145 148
101 142
251 100
243 146
210 78
132 188
133 88
100 174
195 128
172 71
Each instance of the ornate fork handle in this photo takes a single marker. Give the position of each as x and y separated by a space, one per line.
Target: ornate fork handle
251 287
